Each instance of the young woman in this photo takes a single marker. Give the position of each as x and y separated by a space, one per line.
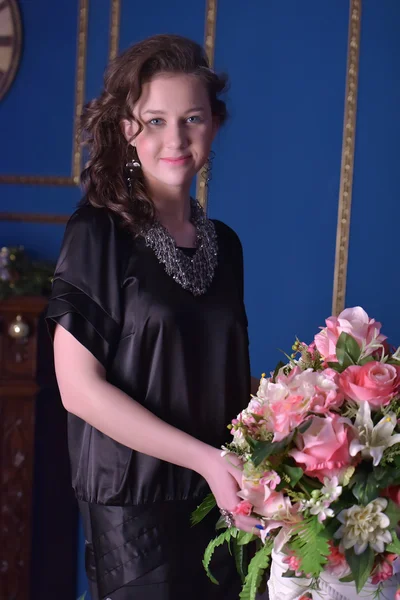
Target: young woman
150 332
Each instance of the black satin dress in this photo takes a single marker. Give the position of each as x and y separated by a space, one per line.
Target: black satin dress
184 358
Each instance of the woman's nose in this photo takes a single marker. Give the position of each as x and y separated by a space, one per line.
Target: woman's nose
176 136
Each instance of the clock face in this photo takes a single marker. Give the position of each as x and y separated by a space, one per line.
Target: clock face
10 43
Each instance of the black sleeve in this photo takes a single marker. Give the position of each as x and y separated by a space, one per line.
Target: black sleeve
86 298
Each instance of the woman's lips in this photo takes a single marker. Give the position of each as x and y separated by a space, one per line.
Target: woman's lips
180 160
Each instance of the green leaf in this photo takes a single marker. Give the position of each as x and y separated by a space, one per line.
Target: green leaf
294 474
277 369
394 546
245 538
360 565
252 443
265 449
331 527
203 509
347 350
304 426
347 579
365 488
83 596
310 546
384 476
221 523
336 366
352 348
366 360
289 573
393 512
218 541
258 565
240 555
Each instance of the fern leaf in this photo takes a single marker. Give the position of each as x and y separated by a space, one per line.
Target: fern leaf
310 546
203 509
226 536
239 554
258 565
245 538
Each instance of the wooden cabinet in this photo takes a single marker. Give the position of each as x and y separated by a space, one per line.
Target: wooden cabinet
19 319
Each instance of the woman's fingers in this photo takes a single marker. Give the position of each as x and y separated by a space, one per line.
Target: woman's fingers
248 524
235 468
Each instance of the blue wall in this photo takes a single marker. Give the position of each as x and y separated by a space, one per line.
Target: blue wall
277 166
373 275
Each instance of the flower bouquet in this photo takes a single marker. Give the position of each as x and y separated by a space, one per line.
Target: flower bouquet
320 450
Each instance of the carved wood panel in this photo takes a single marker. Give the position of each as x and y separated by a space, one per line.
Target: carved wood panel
18 391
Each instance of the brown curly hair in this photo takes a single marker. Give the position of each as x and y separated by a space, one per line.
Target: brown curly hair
104 176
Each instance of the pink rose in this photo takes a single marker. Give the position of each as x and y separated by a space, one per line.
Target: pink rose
392 492
337 564
382 571
356 323
327 395
293 563
243 508
323 450
397 594
374 382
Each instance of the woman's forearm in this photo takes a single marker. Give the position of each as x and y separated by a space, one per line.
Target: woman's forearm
86 393
112 412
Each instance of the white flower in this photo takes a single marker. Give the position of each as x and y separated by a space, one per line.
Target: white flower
321 509
373 440
363 525
240 442
331 489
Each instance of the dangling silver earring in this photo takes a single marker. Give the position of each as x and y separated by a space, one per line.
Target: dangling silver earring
207 169
132 165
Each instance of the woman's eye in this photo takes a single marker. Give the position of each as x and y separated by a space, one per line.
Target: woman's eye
194 119
155 122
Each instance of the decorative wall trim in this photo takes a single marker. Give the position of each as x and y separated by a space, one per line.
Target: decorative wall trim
209 44
80 76
33 218
114 28
347 167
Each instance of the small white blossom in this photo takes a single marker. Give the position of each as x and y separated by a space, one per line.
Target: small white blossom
240 442
322 509
331 490
363 526
373 440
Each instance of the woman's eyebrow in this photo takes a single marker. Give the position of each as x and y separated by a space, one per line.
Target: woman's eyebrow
162 112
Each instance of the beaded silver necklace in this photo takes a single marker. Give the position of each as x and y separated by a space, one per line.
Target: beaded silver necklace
194 273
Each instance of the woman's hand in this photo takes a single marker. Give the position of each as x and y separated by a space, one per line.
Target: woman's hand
224 476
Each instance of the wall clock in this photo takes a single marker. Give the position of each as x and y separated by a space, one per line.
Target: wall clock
10 43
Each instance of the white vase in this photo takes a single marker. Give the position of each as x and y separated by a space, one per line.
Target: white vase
286 588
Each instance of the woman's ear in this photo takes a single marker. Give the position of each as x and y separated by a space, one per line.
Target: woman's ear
129 129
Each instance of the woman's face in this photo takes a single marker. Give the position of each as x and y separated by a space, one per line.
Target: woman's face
178 129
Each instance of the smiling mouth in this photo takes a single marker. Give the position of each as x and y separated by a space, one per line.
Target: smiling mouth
179 160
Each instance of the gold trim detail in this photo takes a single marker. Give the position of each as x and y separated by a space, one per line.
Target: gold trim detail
209 44
347 166
80 87
114 28
33 218
73 179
